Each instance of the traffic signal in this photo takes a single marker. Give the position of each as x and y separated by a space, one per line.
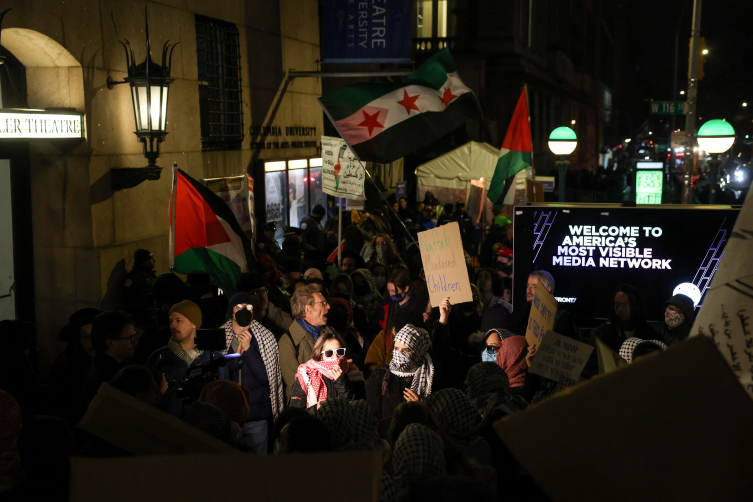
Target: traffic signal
702 51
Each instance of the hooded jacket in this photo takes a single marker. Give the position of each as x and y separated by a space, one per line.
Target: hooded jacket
681 332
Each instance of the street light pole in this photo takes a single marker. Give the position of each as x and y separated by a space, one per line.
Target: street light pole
687 195
562 165
714 164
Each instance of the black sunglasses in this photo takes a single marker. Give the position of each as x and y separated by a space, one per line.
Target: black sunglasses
492 349
340 352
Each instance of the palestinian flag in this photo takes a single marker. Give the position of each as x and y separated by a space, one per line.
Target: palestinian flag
205 236
382 122
515 155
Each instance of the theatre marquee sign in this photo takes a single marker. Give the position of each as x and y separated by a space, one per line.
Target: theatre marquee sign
33 124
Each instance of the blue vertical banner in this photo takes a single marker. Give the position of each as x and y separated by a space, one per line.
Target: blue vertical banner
401 190
367 31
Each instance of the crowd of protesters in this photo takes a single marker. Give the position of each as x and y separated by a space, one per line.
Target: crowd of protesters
321 358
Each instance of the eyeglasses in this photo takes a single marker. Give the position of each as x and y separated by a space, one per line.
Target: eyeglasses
247 307
131 338
492 349
324 302
340 352
260 292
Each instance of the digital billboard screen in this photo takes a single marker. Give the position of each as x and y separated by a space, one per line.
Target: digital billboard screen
590 251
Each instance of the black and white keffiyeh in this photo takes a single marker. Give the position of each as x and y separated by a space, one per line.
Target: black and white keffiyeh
337 415
417 365
454 409
418 456
270 354
488 388
628 349
365 432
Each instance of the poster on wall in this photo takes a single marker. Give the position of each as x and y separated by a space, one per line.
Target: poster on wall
238 194
591 251
367 32
343 174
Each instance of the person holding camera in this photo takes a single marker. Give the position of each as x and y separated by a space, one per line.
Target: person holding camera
324 377
180 354
257 370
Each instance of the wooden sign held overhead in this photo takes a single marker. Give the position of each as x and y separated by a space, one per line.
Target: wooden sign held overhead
444 264
543 315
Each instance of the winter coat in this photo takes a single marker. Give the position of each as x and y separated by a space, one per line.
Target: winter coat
296 346
611 335
277 321
253 376
336 389
380 352
102 370
382 314
164 361
452 359
384 391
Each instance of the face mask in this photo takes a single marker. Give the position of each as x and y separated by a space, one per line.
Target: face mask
488 357
402 363
397 298
243 317
380 282
380 251
361 290
672 319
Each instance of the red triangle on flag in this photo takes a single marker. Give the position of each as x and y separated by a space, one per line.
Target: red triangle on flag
333 256
518 137
196 225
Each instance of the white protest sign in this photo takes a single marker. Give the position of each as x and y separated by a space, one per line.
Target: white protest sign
727 313
342 173
444 264
560 358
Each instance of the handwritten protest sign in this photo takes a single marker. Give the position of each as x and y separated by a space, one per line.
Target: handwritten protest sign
444 264
727 313
342 173
543 315
560 358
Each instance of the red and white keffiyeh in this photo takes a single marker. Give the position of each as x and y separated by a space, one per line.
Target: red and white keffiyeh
309 375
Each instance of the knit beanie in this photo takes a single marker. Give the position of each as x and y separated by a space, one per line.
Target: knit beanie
189 310
238 299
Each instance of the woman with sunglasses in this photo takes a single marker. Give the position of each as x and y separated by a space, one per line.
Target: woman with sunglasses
324 377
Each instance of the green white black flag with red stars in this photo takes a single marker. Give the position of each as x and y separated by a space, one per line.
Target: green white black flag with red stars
382 122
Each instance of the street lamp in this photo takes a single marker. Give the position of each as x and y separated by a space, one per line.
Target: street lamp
562 142
149 84
715 136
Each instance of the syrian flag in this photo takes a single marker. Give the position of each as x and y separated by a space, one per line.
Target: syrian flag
205 236
515 155
382 122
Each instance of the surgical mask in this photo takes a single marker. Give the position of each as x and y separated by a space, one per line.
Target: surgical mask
397 298
672 319
380 282
488 357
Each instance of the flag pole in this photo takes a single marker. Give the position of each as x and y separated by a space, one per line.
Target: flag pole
389 206
528 107
171 236
340 234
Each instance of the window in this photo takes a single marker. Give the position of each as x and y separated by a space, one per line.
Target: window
433 19
292 188
220 99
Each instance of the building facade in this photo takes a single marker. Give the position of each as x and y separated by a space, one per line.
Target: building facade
231 107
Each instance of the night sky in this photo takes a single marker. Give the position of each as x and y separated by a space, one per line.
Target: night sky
726 26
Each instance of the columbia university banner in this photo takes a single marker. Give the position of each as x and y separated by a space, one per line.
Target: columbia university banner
367 31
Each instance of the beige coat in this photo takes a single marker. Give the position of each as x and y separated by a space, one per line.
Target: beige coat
294 337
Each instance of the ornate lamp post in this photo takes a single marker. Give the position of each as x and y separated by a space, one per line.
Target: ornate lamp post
715 136
149 84
562 142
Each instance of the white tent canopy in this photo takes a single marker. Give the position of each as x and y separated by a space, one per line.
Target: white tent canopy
456 169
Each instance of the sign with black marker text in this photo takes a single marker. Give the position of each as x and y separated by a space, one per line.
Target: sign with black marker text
543 315
560 358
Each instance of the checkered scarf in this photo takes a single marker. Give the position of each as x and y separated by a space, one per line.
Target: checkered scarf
418 365
337 415
182 354
270 355
309 375
628 347
488 388
369 301
454 409
365 432
418 456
